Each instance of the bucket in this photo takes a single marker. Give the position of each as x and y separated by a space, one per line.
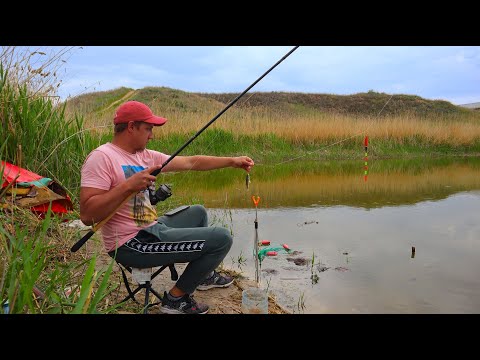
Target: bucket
254 301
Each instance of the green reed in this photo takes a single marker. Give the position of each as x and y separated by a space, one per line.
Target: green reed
37 135
35 278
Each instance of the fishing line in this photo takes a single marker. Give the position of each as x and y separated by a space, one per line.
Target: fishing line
364 131
68 138
233 101
185 173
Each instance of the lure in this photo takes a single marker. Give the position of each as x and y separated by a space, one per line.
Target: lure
247 180
272 251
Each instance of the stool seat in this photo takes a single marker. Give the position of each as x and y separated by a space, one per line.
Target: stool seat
144 277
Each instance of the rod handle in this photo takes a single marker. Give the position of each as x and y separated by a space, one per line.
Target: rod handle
82 241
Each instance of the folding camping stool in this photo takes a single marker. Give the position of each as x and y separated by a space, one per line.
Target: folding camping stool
144 278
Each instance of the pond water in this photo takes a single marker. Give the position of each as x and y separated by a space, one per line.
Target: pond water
406 240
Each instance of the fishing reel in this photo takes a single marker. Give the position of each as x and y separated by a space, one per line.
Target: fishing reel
162 193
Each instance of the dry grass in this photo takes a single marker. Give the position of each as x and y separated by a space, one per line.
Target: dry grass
297 117
313 128
37 67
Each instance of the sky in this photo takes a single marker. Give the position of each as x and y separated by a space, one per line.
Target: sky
450 73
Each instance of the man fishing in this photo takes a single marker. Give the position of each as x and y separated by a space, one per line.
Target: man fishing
135 236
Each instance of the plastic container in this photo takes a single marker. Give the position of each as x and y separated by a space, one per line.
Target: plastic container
254 301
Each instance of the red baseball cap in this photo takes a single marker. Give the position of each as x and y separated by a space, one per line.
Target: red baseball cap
136 111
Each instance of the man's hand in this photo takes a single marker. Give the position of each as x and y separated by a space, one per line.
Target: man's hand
141 180
243 162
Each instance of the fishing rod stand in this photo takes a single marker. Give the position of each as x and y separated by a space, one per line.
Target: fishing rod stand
161 194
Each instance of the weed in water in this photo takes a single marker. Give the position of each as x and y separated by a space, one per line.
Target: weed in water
301 303
241 260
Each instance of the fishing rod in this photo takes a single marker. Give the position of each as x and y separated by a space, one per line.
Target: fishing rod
164 190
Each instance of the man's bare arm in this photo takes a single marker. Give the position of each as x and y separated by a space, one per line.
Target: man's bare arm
97 204
204 162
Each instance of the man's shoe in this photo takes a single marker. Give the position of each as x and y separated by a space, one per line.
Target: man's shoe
185 305
216 281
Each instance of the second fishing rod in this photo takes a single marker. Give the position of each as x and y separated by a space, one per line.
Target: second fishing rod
164 191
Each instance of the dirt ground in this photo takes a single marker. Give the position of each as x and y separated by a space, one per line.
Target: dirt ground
220 300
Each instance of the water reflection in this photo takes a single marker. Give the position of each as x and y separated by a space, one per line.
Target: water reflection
390 182
357 235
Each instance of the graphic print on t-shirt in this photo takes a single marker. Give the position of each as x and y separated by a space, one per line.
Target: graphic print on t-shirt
142 211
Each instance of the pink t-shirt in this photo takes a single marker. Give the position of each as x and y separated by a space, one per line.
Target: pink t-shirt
106 167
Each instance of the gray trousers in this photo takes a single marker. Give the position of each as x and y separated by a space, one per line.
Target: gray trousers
181 238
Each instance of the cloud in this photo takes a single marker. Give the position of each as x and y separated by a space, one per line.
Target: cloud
450 73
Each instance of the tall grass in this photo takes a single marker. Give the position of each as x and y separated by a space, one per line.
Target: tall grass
325 128
37 272
35 278
299 123
38 136
36 68
306 127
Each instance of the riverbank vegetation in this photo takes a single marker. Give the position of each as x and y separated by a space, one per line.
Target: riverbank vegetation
274 126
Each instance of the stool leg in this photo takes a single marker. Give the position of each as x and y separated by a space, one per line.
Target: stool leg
147 293
156 294
132 295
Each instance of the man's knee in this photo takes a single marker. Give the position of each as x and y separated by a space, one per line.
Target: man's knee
225 238
199 212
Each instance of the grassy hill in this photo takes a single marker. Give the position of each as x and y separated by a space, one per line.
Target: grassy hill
161 98
168 100
370 103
